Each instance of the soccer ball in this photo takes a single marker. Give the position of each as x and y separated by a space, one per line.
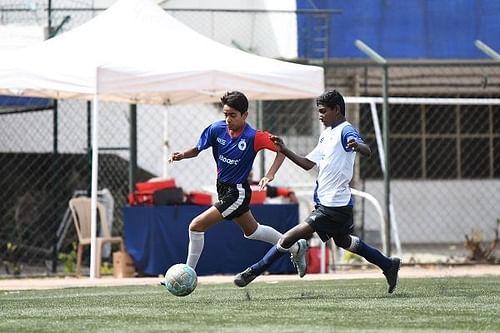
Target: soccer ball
180 280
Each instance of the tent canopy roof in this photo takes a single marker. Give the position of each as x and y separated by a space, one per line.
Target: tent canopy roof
135 52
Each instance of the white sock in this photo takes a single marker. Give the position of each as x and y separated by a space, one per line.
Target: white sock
292 249
270 235
196 243
265 233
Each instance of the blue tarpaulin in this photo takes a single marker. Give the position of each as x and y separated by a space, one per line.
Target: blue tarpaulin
409 29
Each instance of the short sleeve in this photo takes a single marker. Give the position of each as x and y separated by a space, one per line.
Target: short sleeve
205 140
263 141
348 133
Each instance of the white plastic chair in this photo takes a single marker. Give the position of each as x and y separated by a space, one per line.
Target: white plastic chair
80 210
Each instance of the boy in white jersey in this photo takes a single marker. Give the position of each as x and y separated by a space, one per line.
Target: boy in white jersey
332 217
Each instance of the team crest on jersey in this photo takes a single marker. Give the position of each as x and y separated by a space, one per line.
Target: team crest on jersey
242 145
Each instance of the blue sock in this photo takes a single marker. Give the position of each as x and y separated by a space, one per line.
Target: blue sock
369 253
263 264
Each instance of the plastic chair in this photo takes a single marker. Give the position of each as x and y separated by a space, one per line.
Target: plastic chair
80 210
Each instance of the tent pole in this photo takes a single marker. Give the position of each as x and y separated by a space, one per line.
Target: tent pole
93 206
89 148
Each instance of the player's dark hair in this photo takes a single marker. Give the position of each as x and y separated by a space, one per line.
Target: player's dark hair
330 99
235 99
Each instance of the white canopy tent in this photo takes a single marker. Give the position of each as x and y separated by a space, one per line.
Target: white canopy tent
134 52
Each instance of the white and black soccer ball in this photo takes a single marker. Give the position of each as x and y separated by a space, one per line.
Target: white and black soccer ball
180 280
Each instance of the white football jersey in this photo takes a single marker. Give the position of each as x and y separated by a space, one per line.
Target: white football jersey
335 164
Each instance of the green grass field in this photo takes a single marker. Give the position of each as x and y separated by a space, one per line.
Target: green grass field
418 305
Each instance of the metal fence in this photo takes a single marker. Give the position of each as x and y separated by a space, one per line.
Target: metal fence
444 158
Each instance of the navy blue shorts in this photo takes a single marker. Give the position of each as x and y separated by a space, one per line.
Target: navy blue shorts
233 199
331 222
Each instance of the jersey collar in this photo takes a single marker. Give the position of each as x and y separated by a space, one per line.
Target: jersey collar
337 123
235 135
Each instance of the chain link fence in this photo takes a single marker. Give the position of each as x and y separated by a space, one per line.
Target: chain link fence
444 158
444 170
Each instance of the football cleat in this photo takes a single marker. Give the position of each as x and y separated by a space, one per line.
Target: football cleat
244 278
299 259
391 274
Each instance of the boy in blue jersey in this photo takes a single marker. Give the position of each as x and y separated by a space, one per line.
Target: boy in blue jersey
234 146
332 217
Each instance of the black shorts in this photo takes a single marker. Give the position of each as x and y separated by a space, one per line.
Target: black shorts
233 199
329 222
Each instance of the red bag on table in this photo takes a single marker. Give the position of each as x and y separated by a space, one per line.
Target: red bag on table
144 193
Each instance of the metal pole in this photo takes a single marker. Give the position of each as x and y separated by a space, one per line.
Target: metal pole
387 175
133 148
94 187
370 52
54 137
89 147
494 55
487 50
55 128
385 134
54 170
49 20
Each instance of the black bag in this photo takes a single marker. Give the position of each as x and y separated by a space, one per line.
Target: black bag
168 196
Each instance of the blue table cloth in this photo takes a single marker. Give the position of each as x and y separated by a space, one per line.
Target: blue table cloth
157 237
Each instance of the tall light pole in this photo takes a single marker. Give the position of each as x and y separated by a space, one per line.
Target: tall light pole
385 134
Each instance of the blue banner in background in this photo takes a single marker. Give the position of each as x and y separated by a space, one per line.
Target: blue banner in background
410 29
15 101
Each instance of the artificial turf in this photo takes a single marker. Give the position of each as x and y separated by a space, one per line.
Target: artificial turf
418 305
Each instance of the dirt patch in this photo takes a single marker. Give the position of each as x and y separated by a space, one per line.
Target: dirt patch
367 273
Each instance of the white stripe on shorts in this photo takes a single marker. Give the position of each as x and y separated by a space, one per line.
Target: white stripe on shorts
237 203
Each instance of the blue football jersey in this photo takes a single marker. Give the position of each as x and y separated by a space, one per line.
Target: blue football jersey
234 155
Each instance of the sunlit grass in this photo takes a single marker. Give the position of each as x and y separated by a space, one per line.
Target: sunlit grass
418 305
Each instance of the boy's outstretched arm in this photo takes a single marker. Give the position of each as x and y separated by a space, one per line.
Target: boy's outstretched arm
278 161
360 147
301 161
177 156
